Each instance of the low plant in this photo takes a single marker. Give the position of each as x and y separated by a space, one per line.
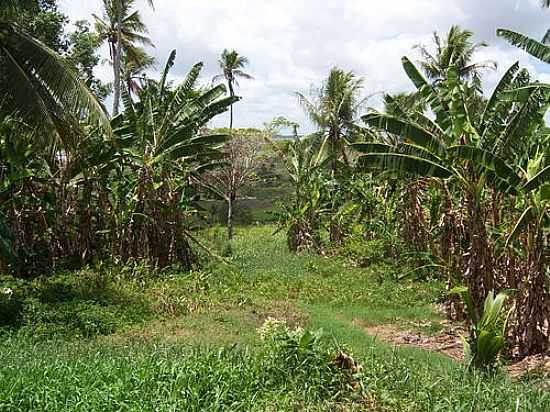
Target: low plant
487 329
307 358
364 252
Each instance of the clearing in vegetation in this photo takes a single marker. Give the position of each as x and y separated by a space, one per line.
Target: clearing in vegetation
104 339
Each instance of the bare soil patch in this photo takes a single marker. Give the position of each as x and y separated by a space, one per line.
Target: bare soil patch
449 344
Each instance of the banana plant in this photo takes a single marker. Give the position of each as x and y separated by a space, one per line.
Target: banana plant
306 158
531 231
532 46
470 142
161 141
165 124
537 198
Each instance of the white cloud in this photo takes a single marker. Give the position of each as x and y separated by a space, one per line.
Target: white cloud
292 44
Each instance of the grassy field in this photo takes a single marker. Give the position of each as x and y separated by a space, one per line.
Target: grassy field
108 339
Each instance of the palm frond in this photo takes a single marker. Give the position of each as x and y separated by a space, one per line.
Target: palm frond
48 90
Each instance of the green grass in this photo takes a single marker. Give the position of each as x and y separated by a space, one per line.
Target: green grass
110 339
98 377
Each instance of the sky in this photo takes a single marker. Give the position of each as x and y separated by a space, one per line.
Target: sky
293 44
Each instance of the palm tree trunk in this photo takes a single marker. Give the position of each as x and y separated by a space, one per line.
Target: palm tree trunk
117 58
231 93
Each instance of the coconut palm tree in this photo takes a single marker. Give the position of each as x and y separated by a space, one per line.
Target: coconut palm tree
42 86
333 108
232 65
122 28
456 51
134 65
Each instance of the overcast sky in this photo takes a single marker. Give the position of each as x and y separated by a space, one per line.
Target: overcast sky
292 44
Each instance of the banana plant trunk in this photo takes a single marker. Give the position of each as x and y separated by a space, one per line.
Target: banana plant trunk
478 270
533 306
449 251
414 227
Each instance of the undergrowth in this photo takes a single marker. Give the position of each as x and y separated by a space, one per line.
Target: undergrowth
124 338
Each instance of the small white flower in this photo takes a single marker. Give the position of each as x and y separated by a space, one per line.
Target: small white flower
270 327
7 291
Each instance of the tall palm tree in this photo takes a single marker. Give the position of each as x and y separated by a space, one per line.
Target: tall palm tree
456 51
42 86
133 67
122 28
232 65
333 109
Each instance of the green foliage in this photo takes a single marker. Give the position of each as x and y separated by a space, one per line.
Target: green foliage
132 194
140 377
291 370
472 149
43 20
83 54
82 304
364 252
488 329
44 88
307 356
305 160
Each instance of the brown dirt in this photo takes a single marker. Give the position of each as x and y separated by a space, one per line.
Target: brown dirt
449 344
529 365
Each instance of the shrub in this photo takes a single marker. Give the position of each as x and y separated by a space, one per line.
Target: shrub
365 252
307 359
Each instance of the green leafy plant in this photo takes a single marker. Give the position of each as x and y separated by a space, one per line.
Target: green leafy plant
305 356
488 329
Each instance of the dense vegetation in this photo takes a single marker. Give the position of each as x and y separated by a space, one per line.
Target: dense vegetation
118 291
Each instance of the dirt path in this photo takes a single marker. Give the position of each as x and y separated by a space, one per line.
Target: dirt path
450 344
447 343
